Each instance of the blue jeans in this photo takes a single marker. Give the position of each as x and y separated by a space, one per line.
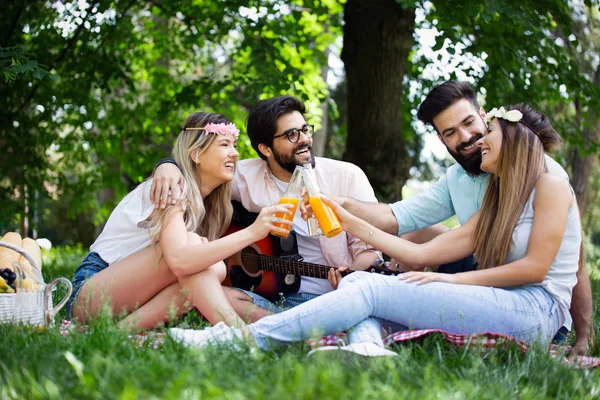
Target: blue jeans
526 313
90 266
468 264
362 332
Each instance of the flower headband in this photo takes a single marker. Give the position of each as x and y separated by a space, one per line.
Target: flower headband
218 129
512 116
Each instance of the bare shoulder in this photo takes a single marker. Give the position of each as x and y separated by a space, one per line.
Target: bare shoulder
553 188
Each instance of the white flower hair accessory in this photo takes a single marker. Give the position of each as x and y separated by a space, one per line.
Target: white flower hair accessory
512 115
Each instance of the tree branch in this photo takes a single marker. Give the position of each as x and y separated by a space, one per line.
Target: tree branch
14 25
123 13
60 57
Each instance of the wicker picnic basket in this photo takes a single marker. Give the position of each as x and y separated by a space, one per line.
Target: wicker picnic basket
31 307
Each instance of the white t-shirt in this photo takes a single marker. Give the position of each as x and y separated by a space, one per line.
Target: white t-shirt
126 230
309 248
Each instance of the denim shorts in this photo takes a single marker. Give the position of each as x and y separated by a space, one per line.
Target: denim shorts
284 304
90 266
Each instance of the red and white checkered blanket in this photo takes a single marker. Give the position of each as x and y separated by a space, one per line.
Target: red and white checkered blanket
486 340
481 341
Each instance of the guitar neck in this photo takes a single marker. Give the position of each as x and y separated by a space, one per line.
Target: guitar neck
285 266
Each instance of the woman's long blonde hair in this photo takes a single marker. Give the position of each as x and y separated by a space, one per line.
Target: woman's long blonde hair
520 164
208 217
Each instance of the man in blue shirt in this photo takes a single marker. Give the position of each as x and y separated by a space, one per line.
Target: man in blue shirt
453 111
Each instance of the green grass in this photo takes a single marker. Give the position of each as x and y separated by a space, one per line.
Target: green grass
104 363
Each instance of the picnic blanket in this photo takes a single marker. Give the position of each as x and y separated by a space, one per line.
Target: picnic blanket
483 341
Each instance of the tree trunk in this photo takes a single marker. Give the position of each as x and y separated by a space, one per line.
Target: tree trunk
106 195
24 223
378 36
582 164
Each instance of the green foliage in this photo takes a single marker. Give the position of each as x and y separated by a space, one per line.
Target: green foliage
528 51
15 64
129 73
595 237
93 94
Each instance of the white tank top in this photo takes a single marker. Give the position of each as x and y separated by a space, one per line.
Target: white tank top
562 276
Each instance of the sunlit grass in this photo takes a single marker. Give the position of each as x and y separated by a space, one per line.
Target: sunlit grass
104 363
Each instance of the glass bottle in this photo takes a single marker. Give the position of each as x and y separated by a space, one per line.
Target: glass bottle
328 220
314 229
290 196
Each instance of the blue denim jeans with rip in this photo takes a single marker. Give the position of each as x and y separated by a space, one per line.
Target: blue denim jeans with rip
527 313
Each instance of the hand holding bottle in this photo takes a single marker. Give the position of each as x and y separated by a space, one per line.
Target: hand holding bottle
305 208
268 221
344 216
328 220
289 197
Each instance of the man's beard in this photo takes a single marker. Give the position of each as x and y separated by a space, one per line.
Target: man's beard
288 162
470 162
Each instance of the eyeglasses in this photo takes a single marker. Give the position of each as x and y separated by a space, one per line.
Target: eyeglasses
293 135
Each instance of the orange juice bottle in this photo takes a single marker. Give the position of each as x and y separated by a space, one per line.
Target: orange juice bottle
290 196
328 219
314 229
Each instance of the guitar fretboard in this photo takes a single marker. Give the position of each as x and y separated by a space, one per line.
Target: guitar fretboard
287 266
283 266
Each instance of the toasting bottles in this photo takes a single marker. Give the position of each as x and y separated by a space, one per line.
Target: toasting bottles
290 196
328 220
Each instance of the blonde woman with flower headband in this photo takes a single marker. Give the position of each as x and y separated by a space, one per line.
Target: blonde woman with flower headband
153 264
526 238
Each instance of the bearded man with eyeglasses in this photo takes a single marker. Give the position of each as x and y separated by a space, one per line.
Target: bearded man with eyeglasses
282 138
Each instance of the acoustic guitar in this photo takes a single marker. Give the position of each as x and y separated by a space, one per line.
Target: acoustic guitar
272 266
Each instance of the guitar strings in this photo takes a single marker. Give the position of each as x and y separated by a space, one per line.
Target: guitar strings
298 267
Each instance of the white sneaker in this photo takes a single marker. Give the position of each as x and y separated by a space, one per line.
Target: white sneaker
214 335
369 349
366 349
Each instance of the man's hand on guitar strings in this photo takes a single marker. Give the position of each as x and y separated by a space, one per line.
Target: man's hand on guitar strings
334 275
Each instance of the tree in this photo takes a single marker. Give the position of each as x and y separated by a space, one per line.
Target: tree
378 36
586 50
534 55
517 40
129 73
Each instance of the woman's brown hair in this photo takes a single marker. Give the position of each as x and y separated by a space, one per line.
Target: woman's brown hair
520 164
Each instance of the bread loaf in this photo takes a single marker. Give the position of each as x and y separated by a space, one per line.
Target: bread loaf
8 256
33 249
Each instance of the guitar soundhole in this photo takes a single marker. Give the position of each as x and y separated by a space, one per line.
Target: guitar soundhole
251 261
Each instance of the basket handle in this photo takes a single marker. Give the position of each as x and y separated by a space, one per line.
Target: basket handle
51 312
24 254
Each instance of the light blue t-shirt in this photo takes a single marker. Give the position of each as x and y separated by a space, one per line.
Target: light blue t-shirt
457 193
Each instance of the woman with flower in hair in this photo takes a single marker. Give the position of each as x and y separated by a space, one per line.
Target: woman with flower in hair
152 264
526 238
